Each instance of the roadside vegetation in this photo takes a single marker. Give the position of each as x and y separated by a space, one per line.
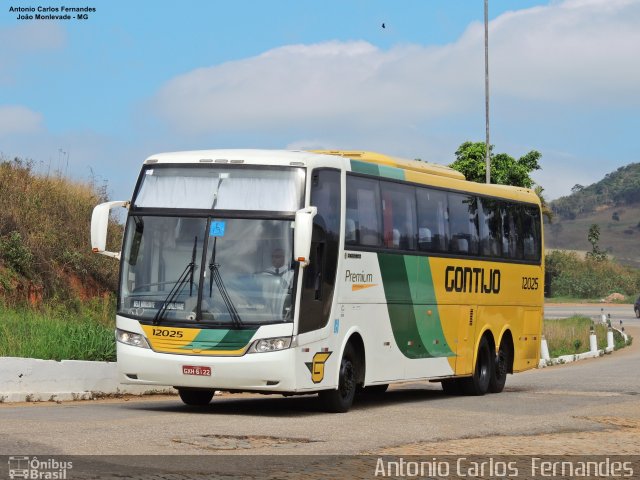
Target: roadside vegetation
57 299
53 334
568 336
573 277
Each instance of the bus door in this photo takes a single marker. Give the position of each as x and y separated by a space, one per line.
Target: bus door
319 277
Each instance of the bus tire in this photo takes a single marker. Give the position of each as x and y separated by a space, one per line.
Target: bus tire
196 396
341 399
500 369
478 383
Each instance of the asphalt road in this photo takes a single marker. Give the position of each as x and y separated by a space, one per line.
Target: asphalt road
411 417
617 312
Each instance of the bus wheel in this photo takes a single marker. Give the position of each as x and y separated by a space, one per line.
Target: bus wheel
195 396
499 371
478 384
340 400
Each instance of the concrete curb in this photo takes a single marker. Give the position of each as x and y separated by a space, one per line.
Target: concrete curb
34 380
579 356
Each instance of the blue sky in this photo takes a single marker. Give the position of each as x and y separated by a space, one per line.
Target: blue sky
142 77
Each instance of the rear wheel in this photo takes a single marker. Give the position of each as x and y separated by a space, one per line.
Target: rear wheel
478 384
500 369
196 396
637 312
341 399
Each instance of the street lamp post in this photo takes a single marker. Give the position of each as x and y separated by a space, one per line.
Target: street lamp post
486 88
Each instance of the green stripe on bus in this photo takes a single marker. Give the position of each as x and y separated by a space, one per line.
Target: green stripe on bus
410 297
391 172
377 170
221 339
365 167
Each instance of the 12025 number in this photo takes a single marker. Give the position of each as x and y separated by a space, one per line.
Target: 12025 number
159 332
530 283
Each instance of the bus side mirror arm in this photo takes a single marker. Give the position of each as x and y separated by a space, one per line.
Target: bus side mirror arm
303 231
100 225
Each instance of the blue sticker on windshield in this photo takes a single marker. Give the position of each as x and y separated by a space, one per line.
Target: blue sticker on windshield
217 229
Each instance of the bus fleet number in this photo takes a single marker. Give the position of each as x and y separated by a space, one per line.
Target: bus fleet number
530 283
158 332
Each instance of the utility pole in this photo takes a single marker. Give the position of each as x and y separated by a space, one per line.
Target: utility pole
486 88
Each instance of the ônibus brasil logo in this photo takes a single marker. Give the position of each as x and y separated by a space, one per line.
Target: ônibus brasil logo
35 469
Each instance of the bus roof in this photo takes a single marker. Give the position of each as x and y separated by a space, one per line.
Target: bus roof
381 159
414 170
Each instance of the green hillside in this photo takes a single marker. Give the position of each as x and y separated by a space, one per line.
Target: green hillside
45 253
613 204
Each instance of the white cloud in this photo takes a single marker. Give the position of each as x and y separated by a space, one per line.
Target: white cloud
577 51
18 44
312 85
16 119
573 52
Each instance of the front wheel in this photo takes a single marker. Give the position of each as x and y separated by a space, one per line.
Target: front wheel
478 384
638 313
196 396
341 399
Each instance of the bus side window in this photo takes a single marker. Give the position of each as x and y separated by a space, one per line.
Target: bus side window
509 231
531 233
433 231
490 227
399 215
363 207
463 223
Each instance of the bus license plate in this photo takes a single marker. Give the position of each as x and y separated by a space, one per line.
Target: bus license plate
191 370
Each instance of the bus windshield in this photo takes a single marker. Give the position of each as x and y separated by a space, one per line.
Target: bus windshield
219 271
221 188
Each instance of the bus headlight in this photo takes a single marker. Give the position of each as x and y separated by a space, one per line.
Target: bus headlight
133 339
270 344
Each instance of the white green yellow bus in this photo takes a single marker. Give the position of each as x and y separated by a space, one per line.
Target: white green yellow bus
329 272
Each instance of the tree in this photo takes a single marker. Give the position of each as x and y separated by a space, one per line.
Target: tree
505 170
544 206
594 237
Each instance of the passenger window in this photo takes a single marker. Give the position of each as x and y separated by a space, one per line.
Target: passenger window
509 232
398 216
363 212
531 233
490 227
463 224
433 232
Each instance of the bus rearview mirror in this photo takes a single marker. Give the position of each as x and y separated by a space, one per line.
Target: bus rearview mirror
100 225
302 235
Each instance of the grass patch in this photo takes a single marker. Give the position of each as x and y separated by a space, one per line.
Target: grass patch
568 336
629 299
55 335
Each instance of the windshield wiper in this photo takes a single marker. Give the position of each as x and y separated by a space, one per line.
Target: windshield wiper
187 274
217 278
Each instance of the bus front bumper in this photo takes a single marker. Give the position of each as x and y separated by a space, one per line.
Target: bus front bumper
270 371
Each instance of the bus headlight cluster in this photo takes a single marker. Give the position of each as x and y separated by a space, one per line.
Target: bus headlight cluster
270 344
130 338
